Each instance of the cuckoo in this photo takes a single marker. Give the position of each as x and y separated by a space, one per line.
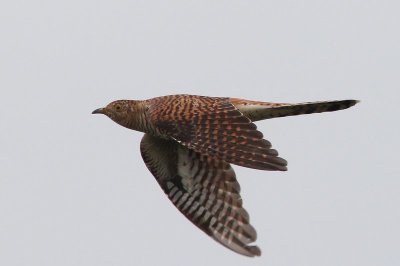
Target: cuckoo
189 145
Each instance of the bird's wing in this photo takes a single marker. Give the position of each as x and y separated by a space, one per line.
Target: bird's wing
214 127
205 190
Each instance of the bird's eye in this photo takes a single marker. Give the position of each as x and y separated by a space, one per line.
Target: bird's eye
118 107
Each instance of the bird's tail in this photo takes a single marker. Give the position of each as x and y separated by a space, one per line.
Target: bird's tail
262 110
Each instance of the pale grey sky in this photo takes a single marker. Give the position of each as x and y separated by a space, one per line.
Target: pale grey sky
74 189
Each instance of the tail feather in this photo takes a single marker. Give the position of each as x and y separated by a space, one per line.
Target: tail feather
259 111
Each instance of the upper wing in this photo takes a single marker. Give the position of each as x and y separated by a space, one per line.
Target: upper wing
205 190
215 127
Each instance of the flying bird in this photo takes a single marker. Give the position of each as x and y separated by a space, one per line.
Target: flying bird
189 145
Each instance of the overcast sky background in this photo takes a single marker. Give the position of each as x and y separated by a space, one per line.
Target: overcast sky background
74 189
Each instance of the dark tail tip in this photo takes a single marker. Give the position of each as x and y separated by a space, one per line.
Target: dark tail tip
353 102
349 103
338 105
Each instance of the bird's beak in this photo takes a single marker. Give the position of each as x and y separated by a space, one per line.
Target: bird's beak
98 111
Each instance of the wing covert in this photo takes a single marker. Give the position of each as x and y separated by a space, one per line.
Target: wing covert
214 127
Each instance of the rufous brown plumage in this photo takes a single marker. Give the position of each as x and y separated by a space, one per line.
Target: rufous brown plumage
190 142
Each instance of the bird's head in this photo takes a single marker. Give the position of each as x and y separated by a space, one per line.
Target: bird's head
122 112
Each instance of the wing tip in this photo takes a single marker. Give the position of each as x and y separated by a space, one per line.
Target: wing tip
282 168
253 251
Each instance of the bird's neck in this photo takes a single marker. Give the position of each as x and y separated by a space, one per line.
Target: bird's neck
137 119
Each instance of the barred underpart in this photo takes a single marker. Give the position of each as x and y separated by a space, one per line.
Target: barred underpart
204 189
